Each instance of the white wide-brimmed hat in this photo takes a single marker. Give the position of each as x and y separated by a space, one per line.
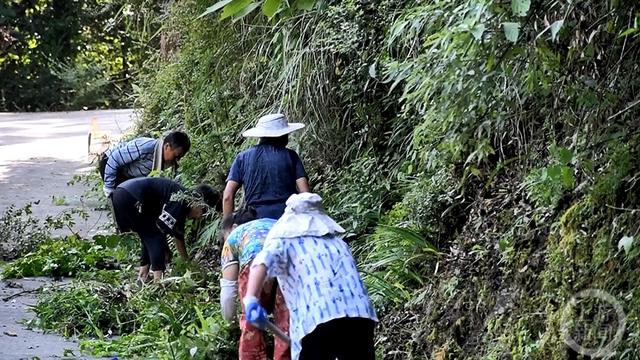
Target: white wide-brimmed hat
272 125
304 216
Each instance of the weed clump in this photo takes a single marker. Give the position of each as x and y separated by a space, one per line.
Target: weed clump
175 318
71 255
85 309
20 232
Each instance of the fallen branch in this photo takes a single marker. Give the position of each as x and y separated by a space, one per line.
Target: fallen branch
621 208
624 110
5 299
20 293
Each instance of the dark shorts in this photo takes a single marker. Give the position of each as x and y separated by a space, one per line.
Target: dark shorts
343 339
128 218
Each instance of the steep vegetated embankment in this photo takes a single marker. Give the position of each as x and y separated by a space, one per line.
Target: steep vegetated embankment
483 155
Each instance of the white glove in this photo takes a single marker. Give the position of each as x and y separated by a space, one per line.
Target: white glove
228 294
107 191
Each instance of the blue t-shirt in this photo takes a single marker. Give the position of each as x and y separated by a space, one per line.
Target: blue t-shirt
268 174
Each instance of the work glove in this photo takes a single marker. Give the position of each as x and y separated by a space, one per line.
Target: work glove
254 312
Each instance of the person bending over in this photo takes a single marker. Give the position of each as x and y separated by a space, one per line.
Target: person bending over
138 157
331 315
243 239
154 208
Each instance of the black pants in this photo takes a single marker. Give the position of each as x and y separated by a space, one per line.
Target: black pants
128 218
342 339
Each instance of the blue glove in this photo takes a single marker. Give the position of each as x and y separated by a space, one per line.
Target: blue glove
254 312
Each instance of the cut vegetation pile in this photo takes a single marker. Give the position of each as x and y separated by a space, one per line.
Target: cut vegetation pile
178 318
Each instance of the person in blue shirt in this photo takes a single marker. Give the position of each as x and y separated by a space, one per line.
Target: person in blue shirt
139 156
331 315
269 172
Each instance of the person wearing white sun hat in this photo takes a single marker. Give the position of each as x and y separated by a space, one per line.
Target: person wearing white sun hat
269 172
330 313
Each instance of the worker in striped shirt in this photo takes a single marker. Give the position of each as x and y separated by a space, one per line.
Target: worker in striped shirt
138 157
331 315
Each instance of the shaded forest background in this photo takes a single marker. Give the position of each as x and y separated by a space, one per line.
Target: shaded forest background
482 154
73 54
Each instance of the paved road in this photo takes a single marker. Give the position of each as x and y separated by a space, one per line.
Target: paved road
39 154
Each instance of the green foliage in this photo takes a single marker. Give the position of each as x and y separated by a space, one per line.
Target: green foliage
617 174
360 190
396 260
92 182
74 54
84 309
70 255
503 133
172 319
58 201
237 9
20 232
86 85
547 185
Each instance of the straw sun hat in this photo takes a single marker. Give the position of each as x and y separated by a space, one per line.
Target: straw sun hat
272 125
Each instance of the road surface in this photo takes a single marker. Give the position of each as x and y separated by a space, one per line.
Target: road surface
39 154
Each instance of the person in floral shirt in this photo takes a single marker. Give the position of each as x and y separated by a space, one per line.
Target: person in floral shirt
244 236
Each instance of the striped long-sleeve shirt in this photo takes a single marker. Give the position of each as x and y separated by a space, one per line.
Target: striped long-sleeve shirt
319 281
132 159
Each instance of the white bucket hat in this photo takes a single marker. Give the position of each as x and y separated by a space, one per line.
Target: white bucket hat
304 216
272 125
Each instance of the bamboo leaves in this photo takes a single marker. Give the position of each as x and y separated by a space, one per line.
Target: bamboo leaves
520 7
234 7
304 4
237 9
555 29
270 7
478 30
511 31
215 7
625 243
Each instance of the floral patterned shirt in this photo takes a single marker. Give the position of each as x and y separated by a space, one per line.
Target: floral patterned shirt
245 242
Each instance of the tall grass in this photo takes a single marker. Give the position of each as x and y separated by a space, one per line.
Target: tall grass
395 261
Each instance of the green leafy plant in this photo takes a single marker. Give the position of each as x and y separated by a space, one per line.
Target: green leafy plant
237 9
547 185
58 200
71 255
20 231
175 318
395 260
85 309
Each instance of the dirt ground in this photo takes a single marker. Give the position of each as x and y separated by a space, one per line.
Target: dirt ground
39 154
